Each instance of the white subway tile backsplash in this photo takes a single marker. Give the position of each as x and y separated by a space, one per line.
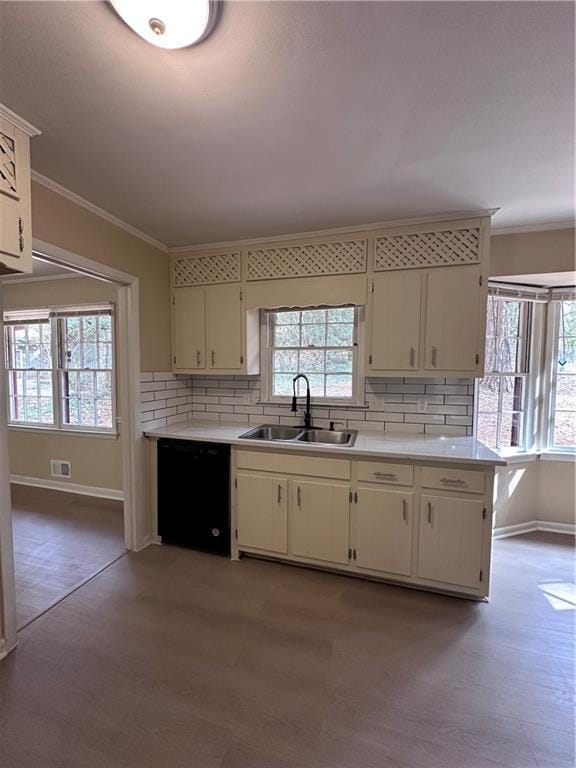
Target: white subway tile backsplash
434 406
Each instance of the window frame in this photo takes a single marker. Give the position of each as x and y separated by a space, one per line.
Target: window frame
56 316
267 353
551 377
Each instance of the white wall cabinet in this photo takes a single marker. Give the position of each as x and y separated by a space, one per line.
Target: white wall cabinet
451 540
319 520
395 304
262 512
15 199
211 331
424 322
384 523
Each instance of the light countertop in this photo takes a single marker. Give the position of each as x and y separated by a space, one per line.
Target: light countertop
461 450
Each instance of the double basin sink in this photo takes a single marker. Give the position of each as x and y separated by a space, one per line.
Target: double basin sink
274 432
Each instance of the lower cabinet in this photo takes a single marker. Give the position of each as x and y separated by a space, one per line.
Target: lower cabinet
262 512
384 521
451 538
320 520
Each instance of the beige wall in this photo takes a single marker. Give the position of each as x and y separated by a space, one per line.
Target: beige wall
58 221
557 492
532 253
95 461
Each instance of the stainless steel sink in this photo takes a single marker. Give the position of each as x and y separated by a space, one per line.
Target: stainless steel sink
272 432
346 437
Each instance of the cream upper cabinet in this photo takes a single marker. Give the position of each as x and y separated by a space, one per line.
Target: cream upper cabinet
319 520
188 328
384 521
451 540
262 517
224 327
455 321
15 199
394 319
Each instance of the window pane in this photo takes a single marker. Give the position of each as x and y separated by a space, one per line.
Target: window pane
105 355
510 430
488 394
104 385
507 360
340 335
104 413
565 428
311 361
90 355
314 316
345 315
105 328
566 393
286 318
285 361
89 325
287 336
313 335
337 360
567 354
338 385
316 385
282 385
486 428
512 391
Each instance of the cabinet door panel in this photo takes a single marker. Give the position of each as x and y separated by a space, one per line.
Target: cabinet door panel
320 520
395 321
384 530
189 328
453 306
15 200
262 517
224 327
451 536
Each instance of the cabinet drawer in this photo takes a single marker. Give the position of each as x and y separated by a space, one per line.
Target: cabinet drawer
392 474
465 480
288 464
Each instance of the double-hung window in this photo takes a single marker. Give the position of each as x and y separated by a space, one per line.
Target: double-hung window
60 368
321 343
502 393
562 340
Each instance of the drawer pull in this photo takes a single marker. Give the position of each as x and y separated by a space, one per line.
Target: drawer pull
299 496
404 509
21 234
429 515
452 481
389 475
279 495
197 358
213 358
434 357
412 357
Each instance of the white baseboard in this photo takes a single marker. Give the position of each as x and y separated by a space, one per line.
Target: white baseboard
60 485
531 527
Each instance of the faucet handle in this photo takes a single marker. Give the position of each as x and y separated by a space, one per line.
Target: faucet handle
335 422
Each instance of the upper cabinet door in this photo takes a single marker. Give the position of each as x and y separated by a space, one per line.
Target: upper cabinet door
188 329
455 300
224 327
15 200
395 321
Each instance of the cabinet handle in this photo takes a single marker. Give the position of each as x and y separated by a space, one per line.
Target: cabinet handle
404 509
434 356
412 357
386 475
429 515
452 481
213 357
21 234
279 494
197 358
299 496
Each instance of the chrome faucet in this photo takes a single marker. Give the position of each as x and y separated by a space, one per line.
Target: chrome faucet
307 415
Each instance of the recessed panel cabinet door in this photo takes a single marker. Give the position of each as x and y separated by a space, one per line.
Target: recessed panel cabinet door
15 200
262 518
384 530
320 520
395 321
224 327
453 307
188 329
451 536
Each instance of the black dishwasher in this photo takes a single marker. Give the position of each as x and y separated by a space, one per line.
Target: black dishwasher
194 495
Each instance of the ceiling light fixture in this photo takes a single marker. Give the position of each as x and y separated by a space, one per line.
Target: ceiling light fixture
169 23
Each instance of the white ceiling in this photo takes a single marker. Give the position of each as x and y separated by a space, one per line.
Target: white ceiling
549 279
300 116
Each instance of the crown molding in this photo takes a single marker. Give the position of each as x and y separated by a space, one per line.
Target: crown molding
18 121
73 197
525 228
338 231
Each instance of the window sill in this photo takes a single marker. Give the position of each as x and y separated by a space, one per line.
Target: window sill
53 431
558 456
519 457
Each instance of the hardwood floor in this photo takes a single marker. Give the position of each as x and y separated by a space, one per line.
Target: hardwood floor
175 659
60 540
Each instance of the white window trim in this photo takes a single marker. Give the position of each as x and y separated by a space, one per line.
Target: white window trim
58 426
550 382
266 350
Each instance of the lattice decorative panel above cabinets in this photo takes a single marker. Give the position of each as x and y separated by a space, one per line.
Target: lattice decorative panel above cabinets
309 260
448 247
201 270
7 165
